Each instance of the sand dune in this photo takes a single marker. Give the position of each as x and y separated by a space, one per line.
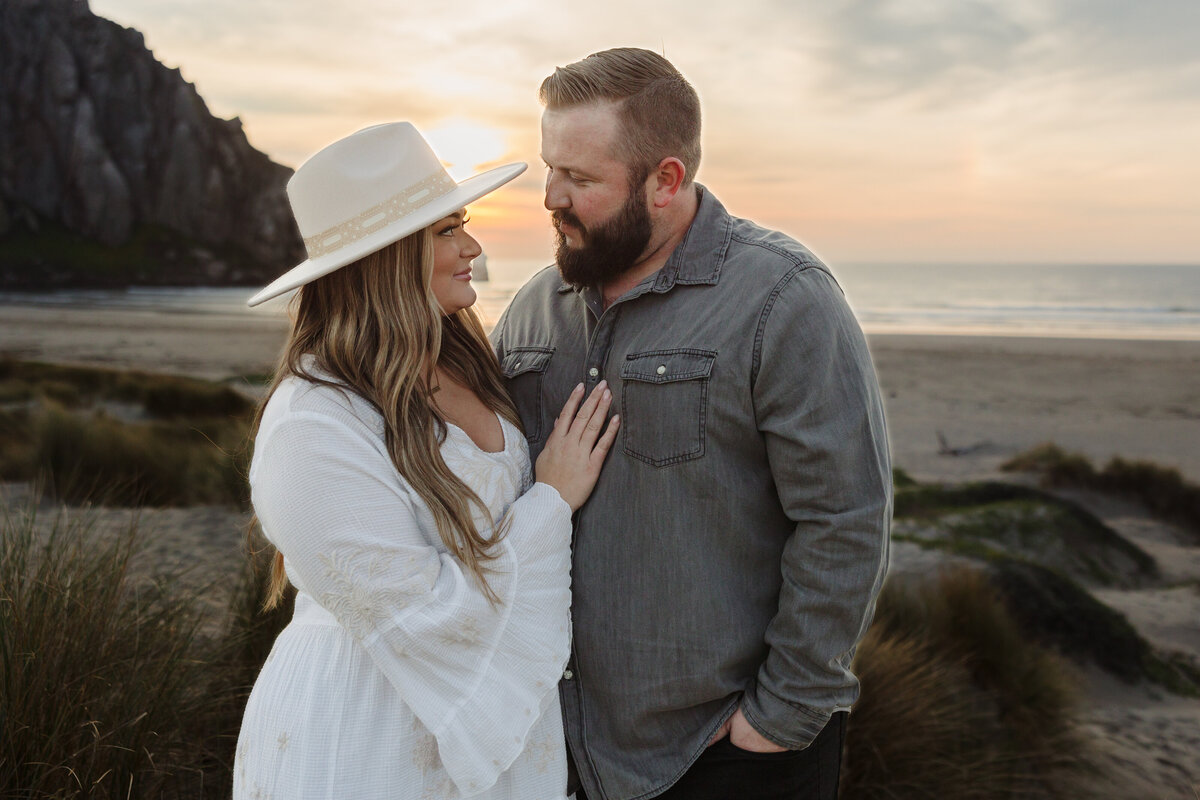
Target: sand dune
957 408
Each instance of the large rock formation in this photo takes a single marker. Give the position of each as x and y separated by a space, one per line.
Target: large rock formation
112 169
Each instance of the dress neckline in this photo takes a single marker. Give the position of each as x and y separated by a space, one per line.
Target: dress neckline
503 436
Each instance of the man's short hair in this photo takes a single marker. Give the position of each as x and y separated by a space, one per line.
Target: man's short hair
658 109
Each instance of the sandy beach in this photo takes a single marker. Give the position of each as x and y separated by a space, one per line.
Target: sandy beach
958 406
993 397
988 397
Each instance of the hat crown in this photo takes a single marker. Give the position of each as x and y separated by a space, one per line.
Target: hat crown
356 174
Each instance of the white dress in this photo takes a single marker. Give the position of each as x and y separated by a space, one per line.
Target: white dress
397 678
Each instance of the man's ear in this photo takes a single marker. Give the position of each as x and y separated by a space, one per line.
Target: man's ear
668 180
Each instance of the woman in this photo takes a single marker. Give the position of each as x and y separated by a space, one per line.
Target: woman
431 623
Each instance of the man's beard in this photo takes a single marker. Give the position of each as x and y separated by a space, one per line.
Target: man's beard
606 251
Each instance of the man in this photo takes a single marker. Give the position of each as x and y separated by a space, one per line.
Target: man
728 562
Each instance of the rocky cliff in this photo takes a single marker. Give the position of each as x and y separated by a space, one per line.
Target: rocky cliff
113 171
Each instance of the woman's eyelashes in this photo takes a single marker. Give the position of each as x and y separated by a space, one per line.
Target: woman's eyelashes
451 225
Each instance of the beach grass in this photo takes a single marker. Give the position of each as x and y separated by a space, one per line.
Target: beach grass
115 683
108 685
252 627
1039 552
991 520
111 688
96 458
1162 490
123 438
160 396
98 674
1056 612
957 701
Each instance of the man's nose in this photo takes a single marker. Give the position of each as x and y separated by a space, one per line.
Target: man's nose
556 195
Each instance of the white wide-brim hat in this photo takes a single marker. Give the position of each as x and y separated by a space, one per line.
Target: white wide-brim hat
364 192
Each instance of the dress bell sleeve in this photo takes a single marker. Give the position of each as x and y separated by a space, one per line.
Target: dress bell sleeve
358 540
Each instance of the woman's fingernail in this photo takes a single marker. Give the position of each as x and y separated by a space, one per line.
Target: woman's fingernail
607 394
602 384
578 388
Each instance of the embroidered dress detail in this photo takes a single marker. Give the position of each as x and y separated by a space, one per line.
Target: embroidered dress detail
379 215
363 592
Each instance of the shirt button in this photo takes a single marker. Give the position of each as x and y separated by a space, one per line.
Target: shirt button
662 369
593 372
568 674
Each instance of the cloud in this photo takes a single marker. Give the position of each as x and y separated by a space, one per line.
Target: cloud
939 52
899 117
881 49
1113 36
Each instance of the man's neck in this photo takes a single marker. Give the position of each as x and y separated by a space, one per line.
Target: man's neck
614 289
673 227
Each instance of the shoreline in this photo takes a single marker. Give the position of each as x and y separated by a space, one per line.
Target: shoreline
989 397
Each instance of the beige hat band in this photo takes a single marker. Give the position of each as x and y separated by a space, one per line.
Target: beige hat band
380 215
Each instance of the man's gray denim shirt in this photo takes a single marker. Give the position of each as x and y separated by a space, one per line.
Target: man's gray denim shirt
737 538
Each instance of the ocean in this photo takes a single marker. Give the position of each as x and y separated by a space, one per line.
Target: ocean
1057 300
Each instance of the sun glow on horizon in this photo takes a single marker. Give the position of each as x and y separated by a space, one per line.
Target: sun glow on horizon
466 146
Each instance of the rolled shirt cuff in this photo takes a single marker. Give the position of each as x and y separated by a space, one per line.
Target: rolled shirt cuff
786 724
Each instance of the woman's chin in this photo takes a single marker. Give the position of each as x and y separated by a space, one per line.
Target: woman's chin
460 300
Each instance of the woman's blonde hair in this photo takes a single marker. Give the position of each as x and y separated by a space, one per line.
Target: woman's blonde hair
374 327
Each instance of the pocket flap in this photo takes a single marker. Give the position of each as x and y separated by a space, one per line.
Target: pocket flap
520 360
664 366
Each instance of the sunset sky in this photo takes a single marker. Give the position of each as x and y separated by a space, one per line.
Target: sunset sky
872 130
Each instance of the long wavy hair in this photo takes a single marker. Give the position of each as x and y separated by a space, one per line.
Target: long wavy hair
374 327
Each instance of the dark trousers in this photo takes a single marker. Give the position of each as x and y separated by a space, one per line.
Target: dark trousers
724 772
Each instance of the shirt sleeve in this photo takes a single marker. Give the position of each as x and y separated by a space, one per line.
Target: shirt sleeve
818 406
355 538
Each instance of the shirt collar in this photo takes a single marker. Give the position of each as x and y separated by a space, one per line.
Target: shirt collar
699 257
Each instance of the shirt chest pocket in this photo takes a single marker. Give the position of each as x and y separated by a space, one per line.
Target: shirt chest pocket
663 404
524 369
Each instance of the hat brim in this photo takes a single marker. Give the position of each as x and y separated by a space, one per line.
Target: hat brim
466 192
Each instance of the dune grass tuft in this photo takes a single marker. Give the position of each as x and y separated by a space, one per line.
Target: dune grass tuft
109 689
100 459
901 479
1162 490
177 441
956 701
252 630
992 520
1058 613
920 728
96 674
107 686
161 396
